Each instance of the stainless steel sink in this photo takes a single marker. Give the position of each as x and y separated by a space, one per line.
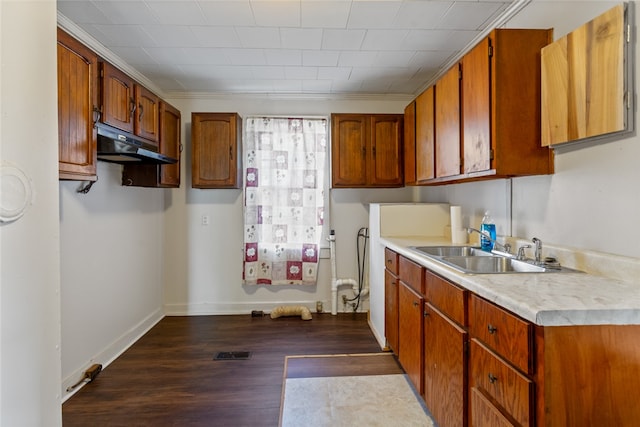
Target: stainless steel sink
491 264
473 260
449 251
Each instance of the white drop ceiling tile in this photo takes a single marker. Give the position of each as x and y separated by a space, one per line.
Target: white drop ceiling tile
380 73
288 86
320 58
228 72
375 86
468 16
127 12
405 86
325 14
429 40
430 59
402 58
82 12
134 55
278 13
205 55
268 72
316 86
283 57
177 12
334 73
165 56
233 13
122 35
343 86
357 59
384 39
247 56
301 38
259 37
421 14
301 73
208 36
342 39
171 35
373 14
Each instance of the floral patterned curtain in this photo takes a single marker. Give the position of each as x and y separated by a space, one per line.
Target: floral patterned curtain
284 164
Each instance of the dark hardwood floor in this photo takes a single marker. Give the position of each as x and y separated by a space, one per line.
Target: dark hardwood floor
170 378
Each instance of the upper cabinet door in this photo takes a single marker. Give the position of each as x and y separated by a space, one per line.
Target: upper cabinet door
118 98
409 144
147 115
583 81
170 144
476 108
448 123
77 100
215 150
425 135
386 150
349 137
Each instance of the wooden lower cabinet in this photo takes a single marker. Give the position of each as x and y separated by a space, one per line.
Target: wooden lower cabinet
391 310
485 413
410 334
445 368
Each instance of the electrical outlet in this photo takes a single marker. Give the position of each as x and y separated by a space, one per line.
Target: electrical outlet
205 219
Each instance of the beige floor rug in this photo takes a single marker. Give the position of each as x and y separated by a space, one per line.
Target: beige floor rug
351 400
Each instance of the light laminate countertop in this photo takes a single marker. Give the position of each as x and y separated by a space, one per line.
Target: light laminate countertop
546 299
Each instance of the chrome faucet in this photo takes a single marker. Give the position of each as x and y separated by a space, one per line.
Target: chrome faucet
521 256
505 248
538 252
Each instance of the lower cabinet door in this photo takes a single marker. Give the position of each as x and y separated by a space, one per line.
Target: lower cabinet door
445 372
410 305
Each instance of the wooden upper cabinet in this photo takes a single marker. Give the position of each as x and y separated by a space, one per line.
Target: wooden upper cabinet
147 116
386 150
366 150
129 106
118 98
167 176
425 135
410 144
447 117
583 81
77 100
349 143
501 105
216 140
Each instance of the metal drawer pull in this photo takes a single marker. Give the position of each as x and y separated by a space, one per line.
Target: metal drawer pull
416 303
492 329
492 378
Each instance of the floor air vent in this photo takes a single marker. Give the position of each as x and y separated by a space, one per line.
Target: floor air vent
233 355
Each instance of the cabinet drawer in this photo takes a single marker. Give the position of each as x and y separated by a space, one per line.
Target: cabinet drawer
391 261
447 297
484 414
511 390
505 333
412 274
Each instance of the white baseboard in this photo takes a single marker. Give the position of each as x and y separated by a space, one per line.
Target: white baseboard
205 309
111 352
382 342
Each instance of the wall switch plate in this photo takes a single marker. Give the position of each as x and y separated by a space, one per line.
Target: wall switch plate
205 219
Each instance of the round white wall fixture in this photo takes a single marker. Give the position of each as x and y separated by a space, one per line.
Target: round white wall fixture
15 192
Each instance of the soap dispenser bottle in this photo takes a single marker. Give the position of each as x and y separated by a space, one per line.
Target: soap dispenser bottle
488 228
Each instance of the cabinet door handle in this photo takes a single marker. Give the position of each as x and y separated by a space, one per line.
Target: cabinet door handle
425 313
492 378
230 153
492 329
141 108
416 303
132 104
97 115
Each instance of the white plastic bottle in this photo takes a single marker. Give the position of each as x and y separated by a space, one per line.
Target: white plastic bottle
487 226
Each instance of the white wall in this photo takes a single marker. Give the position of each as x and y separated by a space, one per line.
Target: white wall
203 264
591 201
29 273
111 268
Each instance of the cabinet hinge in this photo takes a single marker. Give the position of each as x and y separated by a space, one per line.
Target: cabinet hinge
490 51
628 33
465 348
491 154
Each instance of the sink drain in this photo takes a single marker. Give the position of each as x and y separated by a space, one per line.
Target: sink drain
232 355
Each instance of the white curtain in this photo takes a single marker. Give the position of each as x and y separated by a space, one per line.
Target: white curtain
284 164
